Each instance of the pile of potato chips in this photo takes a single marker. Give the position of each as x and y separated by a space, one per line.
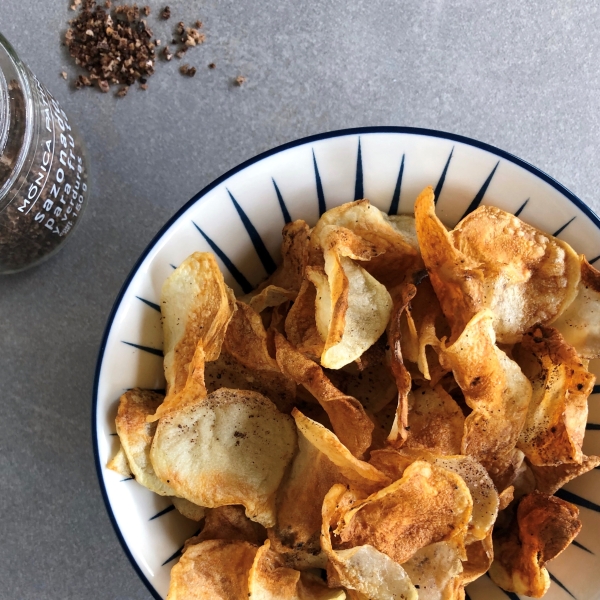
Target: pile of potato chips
386 417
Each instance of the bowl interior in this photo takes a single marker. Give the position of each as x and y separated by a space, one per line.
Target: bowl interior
240 216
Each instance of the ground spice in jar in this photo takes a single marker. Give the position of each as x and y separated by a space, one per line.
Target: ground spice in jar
43 170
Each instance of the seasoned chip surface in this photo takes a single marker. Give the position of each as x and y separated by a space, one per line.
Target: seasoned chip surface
230 448
213 570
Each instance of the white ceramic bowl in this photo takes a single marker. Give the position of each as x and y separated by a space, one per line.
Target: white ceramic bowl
239 217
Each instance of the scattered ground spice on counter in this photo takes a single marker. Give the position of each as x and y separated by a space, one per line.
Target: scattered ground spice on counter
115 45
114 49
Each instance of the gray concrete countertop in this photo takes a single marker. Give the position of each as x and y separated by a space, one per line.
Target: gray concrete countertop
522 76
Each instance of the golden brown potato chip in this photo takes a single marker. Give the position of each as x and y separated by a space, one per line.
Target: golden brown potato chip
480 555
436 571
229 523
228 372
492 259
119 464
481 487
429 504
398 433
494 387
544 527
270 579
294 249
270 297
364 571
394 239
425 325
435 420
246 340
193 391
555 424
188 509
579 323
322 460
506 497
136 436
456 278
371 383
550 479
212 570
300 323
196 305
352 307
230 448
348 418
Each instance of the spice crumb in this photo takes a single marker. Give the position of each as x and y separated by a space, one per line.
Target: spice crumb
180 52
75 4
63 74
122 92
144 86
146 11
212 65
198 24
108 4
187 70
166 13
157 42
240 80
104 86
180 28
167 54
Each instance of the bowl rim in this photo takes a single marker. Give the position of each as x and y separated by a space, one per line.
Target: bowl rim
204 191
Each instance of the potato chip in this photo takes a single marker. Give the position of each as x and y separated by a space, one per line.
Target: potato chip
348 418
506 497
429 504
360 305
246 340
229 523
436 571
481 487
294 250
492 259
371 383
230 448
550 479
270 297
480 555
228 372
398 433
270 579
555 425
544 527
394 239
364 569
212 570
119 464
136 436
579 323
188 509
426 324
301 325
196 305
435 420
193 391
322 460
494 387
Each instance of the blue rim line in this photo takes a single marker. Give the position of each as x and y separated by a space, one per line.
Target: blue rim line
307 140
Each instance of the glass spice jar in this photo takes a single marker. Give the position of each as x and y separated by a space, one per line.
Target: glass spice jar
43 168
